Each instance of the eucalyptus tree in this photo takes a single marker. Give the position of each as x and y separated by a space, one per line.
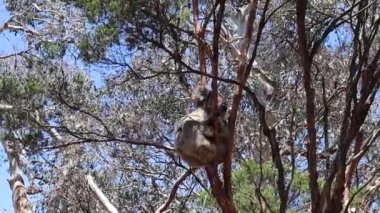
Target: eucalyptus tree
294 43
31 117
261 56
30 83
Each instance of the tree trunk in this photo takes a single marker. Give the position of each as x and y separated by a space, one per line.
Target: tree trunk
21 204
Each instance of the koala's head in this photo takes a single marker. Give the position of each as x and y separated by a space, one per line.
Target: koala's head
202 98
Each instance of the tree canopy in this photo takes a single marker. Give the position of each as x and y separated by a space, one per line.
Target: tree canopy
88 109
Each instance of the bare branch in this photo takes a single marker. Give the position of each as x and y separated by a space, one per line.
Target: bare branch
200 36
6 23
364 148
241 78
370 192
100 195
14 54
363 206
21 28
173 192
132 142
5 106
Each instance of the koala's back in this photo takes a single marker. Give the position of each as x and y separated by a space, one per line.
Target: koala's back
191 143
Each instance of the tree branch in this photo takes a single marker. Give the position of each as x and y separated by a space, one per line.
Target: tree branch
13 54
100 195
238 94
200 36
352 167
363 206
173 192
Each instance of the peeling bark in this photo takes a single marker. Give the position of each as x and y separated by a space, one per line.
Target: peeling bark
21 204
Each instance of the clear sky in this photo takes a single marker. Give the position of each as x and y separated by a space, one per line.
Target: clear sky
9 43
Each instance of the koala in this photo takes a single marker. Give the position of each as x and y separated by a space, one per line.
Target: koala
197 143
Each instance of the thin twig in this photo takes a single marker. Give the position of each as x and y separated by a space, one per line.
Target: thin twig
173 192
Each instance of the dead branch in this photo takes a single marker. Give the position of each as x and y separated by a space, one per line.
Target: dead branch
100 195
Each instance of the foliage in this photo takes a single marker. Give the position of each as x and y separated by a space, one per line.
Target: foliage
100 85
251 178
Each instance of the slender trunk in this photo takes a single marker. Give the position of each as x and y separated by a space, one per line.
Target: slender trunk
226 205
307 60
21 204
352 167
